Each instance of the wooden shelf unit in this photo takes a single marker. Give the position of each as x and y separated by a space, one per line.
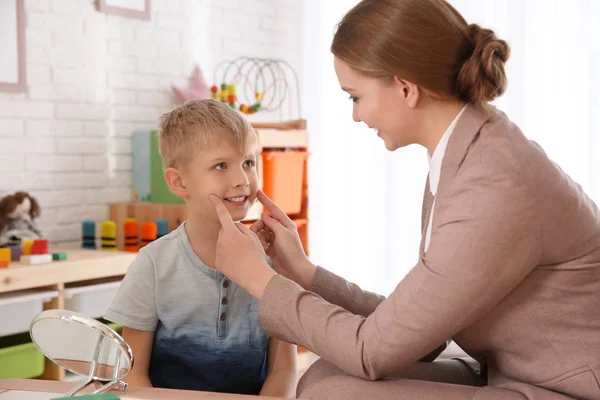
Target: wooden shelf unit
81 267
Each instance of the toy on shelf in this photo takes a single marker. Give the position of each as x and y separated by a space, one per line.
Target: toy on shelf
15 251
39 247
149 233
59 256
26 246
108 236
5 257
130 228
149 185
162 228
252 84
88 235
18 213
198 91
38 254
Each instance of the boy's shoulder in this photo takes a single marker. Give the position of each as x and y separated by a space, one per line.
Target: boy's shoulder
162 246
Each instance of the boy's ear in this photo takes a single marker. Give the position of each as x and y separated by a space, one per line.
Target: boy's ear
175 182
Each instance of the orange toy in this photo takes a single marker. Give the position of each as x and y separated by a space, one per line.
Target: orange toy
131 231
149 232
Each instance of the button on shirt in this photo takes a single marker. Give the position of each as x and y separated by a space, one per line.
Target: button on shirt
435 167
207 332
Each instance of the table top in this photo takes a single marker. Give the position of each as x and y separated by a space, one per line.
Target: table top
36 385
80 265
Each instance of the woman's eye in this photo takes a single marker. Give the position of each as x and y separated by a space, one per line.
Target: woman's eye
249 164
221 166
354 99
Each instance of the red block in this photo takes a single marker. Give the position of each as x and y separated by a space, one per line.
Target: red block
39 247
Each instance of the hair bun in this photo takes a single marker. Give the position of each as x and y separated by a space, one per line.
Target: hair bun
482 77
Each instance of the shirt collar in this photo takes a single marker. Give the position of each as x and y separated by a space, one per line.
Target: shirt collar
435 160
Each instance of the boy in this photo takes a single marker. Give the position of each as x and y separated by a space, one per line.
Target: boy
190 327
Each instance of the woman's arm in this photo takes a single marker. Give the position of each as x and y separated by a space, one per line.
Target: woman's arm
141 346
339 291
281 370
486 239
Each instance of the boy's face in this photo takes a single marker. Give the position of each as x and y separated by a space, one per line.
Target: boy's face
222 170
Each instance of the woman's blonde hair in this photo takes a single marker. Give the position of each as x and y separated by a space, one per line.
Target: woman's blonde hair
426 42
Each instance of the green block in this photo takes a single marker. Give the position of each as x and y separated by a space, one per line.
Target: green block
59 256
149 183
102 396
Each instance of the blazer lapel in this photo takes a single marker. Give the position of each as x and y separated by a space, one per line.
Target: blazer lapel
465 133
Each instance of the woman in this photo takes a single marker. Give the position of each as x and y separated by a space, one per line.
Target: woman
509 266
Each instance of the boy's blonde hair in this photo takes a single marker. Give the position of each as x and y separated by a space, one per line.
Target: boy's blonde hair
194 126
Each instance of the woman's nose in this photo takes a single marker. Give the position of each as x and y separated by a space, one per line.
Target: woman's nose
355 114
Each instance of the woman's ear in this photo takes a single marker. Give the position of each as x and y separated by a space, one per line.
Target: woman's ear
175 182
410 91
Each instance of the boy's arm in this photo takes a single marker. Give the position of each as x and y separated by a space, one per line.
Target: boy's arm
141 345
281 370
134 307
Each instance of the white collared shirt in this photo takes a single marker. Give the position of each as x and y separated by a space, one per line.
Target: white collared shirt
435 167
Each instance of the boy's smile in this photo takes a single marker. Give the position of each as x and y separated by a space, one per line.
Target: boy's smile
238 201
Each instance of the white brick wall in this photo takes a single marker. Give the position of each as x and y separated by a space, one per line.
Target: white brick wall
95 78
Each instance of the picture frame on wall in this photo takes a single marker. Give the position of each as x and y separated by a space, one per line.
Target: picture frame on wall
126 8
12 42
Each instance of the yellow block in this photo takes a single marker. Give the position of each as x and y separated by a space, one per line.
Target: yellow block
5 254
27 244
108 233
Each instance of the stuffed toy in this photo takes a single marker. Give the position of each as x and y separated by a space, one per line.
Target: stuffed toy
17 219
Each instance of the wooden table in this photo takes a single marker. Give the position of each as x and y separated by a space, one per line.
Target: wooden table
133 393
81 266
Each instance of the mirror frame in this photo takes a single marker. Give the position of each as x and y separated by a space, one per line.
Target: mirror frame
107 333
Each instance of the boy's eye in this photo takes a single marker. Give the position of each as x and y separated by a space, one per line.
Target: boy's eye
249 164
354 99
221 166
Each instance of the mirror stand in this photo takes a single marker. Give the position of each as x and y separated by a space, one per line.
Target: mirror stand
115 383
112 385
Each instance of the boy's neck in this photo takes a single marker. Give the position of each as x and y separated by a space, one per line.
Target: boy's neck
202 235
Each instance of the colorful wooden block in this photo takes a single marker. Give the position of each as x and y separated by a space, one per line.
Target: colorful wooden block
15 253
59 256
27 244
149 231
39 246
108 236
162 228
88 235
5 254
36 259
4 263
131 235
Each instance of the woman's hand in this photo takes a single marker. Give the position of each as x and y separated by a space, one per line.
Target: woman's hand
240 255
278 235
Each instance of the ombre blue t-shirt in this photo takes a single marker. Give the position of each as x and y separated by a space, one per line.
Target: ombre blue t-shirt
207 332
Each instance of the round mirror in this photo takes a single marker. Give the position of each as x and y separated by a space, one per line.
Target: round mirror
82 345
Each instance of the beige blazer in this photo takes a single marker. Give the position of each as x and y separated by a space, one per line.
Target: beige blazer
512 275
